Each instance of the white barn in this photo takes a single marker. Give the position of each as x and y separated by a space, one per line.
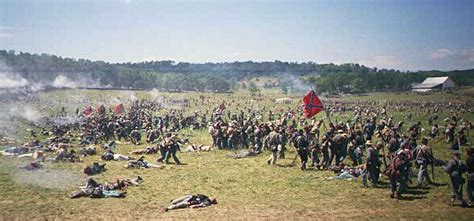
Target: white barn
434 84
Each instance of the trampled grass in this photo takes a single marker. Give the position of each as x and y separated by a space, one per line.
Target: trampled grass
246 188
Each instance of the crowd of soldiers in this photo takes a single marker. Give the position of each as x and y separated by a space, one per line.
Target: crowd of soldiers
368 142
371 141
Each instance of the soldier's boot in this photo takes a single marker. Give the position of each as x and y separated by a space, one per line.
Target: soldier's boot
463 203
452 201
399 196
392 195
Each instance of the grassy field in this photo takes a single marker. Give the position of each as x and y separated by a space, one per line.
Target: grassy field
245 189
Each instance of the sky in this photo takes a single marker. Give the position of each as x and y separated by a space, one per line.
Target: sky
400 34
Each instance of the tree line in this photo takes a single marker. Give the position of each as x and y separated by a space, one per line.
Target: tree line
219 77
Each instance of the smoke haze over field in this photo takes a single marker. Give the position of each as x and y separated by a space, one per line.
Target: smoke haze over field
62 81
9 79
26 112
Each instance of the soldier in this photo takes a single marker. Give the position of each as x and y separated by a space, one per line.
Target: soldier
173 147
315 150
373 162
274 143
284 141
470 175
325 144
455 168
136 137
191 201
398 175
258 138
152 135
340 141
302 148
368 130
424 158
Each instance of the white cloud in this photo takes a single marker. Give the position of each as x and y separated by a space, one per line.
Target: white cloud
440 53
383 61
7 32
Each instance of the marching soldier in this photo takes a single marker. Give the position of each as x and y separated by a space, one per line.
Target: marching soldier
302 148
455 168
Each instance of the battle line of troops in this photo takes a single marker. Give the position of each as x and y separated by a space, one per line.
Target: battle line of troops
369 144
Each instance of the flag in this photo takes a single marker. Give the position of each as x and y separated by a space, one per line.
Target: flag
87 110
311 104
118 109
222 106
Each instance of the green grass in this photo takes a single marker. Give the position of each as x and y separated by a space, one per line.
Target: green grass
246 188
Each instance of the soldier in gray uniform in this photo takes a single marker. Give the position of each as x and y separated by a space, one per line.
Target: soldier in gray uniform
274 144
302 145
424 158
455 168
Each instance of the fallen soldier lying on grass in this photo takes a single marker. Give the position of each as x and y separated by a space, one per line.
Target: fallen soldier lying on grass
94 169
147 150
244 153
94 189
88 151
350 173
194 148
110 155
191 201
141 163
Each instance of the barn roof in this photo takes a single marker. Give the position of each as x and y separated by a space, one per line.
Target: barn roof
435 80
431 82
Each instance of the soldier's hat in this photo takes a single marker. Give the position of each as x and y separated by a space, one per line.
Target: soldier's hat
368 143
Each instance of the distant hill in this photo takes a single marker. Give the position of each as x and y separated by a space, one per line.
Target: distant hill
216 77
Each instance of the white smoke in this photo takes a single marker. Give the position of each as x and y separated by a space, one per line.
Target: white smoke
62 81
26 112
154 94
295 84
11 81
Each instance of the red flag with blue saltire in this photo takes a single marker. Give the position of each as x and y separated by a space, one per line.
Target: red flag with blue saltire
87 111
311 104
118 109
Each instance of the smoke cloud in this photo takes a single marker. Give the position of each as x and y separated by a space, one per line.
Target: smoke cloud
9 79
12 81
26 112
62 81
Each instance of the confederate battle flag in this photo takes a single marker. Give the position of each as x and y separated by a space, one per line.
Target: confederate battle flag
311 104
87 110
118 109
